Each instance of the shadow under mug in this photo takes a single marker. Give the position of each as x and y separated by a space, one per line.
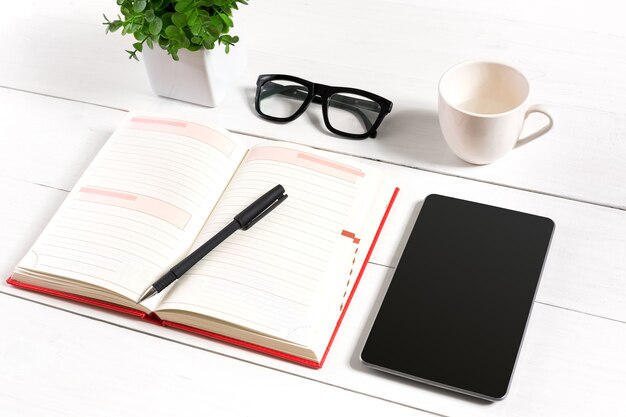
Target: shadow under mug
482 110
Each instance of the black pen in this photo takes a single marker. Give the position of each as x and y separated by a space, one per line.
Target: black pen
244 220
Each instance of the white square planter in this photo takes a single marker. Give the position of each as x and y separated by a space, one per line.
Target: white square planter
201 77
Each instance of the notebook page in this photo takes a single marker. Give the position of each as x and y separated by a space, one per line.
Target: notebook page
281 275
138 206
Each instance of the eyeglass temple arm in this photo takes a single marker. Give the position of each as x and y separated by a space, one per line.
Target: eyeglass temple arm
291 91
342 102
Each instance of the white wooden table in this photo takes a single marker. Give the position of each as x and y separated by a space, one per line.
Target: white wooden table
65 86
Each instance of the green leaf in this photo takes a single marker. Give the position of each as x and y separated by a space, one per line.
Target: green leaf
115 25
227 48
132 54
167 19
149 43
235 39
172 50
179 19
192 17
139 5
203 14
172 32
226 19
183 5
195 29
138 46
133 27
149 15
140 36
213 30
217 24
155 26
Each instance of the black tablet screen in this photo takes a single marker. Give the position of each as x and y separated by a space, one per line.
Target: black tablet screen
456 310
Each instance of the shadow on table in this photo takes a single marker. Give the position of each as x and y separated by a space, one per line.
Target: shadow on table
250 93
411 137
414 134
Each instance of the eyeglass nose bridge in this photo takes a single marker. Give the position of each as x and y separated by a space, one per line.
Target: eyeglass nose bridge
317 99
317 91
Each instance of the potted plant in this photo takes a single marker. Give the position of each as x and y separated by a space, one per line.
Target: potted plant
185 45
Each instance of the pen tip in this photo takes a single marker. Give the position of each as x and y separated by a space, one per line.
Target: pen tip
147 294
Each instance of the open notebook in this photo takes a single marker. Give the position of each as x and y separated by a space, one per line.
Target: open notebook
161 187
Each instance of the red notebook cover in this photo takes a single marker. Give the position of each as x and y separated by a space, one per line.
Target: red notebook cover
153 318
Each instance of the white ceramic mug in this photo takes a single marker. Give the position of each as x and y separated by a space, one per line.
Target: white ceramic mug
482 109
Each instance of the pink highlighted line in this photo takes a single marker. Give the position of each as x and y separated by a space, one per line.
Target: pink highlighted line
141 203
195 131
166 122
306 160
108 193
331 164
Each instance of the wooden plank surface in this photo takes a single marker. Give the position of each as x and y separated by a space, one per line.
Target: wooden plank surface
574 307
68 374
571 363
61 358
574 55
584 260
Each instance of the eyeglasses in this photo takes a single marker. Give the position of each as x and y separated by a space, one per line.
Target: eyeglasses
347 111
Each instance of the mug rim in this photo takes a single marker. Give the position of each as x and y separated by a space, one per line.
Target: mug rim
489 62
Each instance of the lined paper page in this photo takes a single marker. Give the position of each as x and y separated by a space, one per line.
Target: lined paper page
139 206
278 276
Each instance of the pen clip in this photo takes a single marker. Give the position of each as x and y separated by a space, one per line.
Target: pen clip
265 212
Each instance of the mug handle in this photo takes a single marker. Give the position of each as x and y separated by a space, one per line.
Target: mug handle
536 108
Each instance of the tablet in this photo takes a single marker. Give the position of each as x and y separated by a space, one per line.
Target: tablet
457 307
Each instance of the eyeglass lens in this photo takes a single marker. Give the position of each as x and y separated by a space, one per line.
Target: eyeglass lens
281 98
352 113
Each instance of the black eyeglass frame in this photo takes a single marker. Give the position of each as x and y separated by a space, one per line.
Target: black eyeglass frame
320 94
